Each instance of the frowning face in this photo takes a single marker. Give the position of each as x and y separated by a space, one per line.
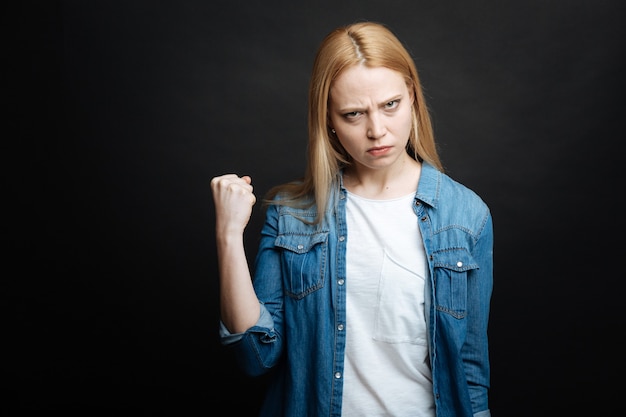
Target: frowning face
370 111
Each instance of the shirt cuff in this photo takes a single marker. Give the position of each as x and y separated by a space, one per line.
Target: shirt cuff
265 320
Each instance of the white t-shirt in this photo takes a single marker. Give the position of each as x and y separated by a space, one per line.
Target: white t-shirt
387 370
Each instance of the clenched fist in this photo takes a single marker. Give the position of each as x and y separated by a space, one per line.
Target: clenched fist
234 199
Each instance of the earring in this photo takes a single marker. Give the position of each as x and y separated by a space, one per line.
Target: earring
333 130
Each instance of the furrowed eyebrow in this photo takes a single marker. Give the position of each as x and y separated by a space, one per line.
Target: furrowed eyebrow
395 98
350 109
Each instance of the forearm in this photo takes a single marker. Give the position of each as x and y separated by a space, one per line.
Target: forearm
239 305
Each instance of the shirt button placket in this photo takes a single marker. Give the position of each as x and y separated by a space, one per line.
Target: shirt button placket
340 327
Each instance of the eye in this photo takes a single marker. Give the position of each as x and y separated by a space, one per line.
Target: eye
352 114
392 104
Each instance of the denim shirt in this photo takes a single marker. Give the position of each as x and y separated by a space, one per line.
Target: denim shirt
300 281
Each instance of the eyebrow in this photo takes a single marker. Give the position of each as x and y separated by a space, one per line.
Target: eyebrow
349 109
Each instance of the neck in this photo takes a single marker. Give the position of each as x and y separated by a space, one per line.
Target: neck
393 182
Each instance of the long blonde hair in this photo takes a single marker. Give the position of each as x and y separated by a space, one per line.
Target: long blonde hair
373 45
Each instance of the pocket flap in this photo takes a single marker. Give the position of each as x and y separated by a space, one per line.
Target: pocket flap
300 243
456 259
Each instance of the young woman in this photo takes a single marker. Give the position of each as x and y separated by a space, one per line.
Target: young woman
373 278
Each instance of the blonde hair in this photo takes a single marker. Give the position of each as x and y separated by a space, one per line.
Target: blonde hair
365 43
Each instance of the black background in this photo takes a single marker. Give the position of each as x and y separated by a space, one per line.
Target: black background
122 112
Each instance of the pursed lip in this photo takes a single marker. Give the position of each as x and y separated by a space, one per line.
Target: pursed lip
378 148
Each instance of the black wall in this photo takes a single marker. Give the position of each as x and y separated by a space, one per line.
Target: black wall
122 112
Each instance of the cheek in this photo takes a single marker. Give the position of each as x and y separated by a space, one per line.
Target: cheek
404 122
346 132
348 141
344 141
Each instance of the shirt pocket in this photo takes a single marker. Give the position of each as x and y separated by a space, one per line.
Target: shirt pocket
303 262
451 268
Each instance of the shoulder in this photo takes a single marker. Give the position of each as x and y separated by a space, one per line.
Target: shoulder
436 187
452 189
451 201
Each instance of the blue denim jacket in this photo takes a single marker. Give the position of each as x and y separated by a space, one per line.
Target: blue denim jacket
300 280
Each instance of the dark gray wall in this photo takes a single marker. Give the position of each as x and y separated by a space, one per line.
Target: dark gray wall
126 109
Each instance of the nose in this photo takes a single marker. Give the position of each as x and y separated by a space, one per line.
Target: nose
376 127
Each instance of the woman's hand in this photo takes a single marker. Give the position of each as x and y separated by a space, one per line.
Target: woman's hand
233 198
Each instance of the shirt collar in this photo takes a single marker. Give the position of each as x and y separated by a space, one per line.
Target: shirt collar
429 185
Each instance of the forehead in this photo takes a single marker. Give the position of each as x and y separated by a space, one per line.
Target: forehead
359 81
